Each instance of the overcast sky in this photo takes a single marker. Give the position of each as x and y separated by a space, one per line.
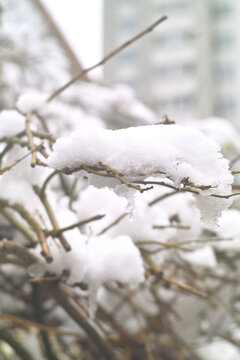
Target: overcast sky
81 23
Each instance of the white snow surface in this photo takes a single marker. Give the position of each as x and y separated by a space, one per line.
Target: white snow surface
95 260
31 100
11 123
169 151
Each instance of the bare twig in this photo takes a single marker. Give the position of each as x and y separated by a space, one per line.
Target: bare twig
7 337
162 183
38 326
115 222
43 189
158 271
83 322
22 253
33 224
77 224
120 178
171 226
45 135
162 197
30 137
52 217
107 57
17 224
9 167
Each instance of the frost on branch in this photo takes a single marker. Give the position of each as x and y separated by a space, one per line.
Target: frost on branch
182 154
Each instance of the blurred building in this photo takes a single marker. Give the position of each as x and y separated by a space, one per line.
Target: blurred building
188 66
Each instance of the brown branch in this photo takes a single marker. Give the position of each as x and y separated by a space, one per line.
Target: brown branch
33 224
162 197
155 270
30 137
17 224
171 226
43 189
162 183
28 323
70 227
52 217
9 167
45 136
107 57
83 322
22 253
113 223
123 181
7 337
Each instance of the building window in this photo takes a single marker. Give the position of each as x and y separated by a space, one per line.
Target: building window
221 11
128 26
179 38
225 107
224 41
128 56
223 73
174 71
183 103
177 6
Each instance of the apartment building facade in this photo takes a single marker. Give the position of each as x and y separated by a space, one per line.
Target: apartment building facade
189 66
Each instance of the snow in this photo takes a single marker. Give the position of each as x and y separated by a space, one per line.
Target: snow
96 260
11 123
221 130
219 349
31 100
170 151
117 104
203 257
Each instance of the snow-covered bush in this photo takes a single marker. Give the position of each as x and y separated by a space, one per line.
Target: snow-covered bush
118 233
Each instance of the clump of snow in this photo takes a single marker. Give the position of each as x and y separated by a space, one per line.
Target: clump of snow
96 261
117 104
11 123
31 100
172 151
203 257
218 349
229 228
221 130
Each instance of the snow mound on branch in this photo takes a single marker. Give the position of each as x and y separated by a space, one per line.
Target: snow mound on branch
31 100
11 123
178 153
96 261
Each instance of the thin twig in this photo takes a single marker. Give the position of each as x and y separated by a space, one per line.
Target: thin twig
113 223
120 178
162 197
30 137
43 189
22 253
52 217
83 322
45 135
9 167
8 337
77 224
158 271
107 57
33 224
17 224
171 226
162 183
38 326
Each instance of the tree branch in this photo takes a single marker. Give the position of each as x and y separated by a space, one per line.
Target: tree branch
106 58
